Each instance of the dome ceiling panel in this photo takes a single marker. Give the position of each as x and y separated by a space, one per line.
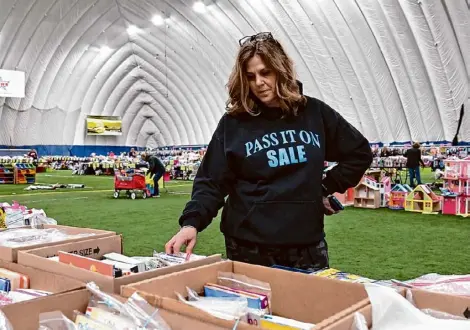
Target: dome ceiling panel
398 70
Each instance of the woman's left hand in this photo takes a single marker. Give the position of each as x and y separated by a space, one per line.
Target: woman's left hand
328 209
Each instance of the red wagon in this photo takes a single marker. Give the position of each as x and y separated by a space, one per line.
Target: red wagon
135 183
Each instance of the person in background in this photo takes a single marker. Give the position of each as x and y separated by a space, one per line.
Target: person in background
34 155
385 152
132 153
413 160
157 169
267 155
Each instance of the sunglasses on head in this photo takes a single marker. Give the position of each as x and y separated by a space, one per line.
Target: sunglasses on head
257 37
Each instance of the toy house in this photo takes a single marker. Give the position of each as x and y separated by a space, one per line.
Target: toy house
423 200
456 190
367 194
398 196
385 187
347 199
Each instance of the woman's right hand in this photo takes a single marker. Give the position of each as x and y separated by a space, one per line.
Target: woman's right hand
186 236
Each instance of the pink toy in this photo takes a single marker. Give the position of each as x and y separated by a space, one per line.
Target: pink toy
457 181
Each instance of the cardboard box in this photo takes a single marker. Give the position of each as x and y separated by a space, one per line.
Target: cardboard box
67 303
96 248
456 305
301 297
11 254
39 280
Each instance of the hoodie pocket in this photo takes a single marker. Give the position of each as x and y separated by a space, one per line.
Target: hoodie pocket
284 222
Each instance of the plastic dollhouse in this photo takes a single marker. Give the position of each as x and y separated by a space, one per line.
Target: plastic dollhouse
367 194
398 196
456 190
385 187
423 200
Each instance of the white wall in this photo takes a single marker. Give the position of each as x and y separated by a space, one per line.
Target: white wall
397 69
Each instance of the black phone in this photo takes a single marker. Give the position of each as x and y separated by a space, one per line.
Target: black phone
335 203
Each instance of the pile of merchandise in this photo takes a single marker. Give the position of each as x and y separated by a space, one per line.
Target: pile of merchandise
117 265
17 215
238 297
387 304
104 312
21 237
15 287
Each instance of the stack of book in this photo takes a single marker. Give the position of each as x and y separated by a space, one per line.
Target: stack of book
14 287
117 265
254 303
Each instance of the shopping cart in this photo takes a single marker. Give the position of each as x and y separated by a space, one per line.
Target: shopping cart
132 184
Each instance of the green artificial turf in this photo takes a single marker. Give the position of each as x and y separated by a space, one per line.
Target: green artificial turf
380 244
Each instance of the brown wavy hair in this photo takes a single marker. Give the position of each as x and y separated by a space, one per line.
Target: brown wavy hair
272 53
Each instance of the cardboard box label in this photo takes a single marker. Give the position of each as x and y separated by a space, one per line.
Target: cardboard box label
86 252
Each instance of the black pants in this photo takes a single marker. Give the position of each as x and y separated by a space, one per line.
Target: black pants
158 175
310 258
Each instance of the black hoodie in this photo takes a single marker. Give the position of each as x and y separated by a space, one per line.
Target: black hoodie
271 168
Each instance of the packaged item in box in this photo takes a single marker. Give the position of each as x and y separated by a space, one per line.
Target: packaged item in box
112 320
5 284
255 301
277 322
127 269
175 259
104 312
86 322
4 322
17 281
122 259
118 265
88 263
5 299
450 284
136 309
20 237
228 308
26 294
387 304
246 284
342 276
234 297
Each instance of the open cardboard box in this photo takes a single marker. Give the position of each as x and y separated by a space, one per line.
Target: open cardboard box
96 248
301 297
68 303
11 254
39 280
456 305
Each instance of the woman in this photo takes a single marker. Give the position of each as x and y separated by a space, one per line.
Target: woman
413 160
267 156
